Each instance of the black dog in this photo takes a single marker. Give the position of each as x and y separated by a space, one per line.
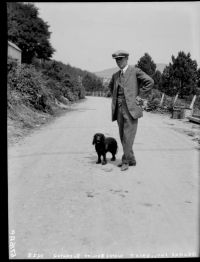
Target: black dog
103 145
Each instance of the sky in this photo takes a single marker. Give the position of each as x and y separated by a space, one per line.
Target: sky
85 34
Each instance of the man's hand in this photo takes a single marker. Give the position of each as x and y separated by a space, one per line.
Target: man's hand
139 101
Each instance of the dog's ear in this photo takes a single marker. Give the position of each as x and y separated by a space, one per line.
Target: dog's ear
103 138
94 140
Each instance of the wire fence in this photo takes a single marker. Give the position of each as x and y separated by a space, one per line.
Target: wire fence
164 102
96 93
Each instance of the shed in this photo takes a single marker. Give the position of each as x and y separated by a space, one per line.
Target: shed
14 52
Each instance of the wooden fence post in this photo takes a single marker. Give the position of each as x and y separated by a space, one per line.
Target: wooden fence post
162 99
192 103
176 97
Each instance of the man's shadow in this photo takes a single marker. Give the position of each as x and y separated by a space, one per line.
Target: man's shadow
93 159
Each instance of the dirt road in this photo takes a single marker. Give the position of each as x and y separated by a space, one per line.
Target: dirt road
63 205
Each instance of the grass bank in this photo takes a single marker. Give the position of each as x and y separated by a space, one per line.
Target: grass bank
34 98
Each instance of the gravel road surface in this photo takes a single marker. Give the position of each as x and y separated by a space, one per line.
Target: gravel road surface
63 205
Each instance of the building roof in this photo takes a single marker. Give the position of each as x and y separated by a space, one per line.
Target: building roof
13 45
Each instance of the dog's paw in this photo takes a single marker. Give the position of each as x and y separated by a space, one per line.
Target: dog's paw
98 162
104 162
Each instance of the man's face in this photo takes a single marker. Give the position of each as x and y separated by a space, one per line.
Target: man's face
121 62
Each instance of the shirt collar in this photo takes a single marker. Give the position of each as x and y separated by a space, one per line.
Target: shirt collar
124 69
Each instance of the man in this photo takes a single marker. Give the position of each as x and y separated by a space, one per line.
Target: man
127 86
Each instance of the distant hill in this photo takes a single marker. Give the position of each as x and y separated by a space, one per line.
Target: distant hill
160 66
107 73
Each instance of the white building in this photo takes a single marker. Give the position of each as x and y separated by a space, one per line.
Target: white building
14 52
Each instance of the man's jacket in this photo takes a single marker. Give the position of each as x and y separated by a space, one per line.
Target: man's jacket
136 83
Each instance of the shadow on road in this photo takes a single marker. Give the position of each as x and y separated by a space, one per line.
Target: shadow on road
93 160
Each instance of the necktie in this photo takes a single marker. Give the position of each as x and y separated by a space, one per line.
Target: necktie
121 78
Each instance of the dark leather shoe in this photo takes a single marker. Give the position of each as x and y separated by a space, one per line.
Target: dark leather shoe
124 167
132 163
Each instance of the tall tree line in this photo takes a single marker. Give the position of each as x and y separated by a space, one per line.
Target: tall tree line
181 76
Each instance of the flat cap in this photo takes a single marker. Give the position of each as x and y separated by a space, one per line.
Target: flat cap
120 53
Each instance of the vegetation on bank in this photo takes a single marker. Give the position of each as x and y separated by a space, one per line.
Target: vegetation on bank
181 77
40 87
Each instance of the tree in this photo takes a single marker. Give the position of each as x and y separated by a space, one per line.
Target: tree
92 82
88 83
166 85
28 31
198 78
157 77
147 65
180 76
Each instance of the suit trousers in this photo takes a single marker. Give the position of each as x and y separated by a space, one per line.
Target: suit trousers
127 130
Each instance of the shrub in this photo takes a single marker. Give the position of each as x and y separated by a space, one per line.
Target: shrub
31 86
153 104
11 64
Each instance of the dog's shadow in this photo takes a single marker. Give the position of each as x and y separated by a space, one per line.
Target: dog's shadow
93 160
